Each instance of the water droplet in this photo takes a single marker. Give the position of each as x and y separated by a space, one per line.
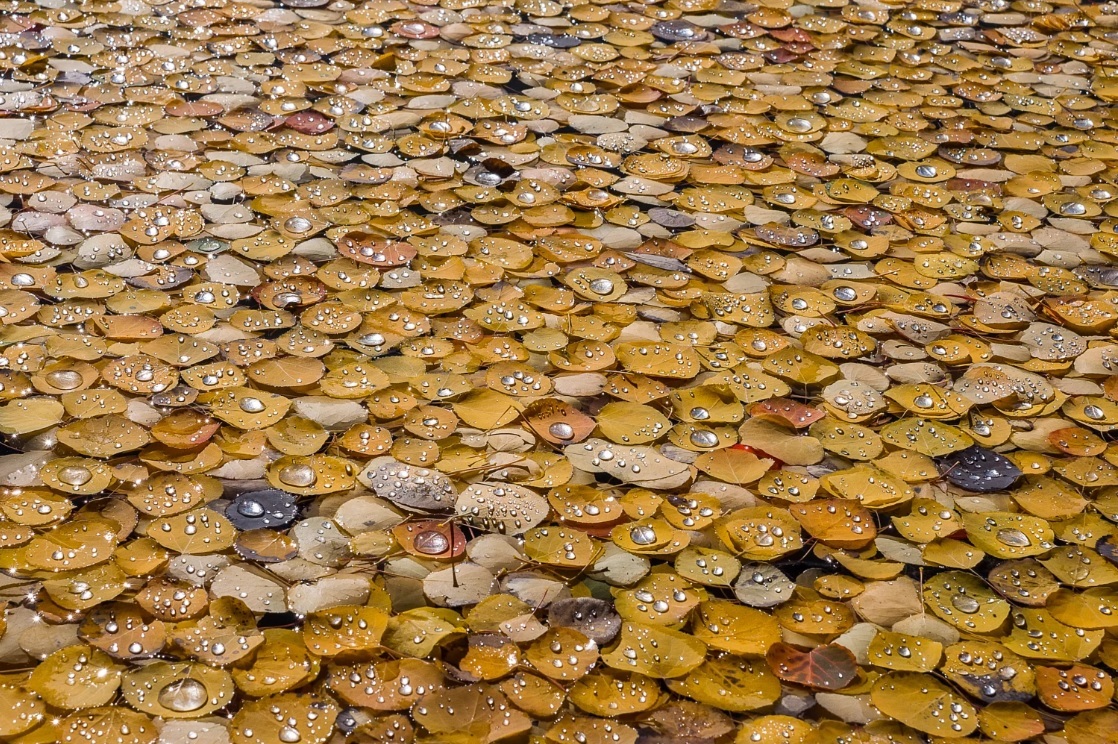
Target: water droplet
799 124
65 379
300 476
251 508
560 430
297 224
965 603
183 695
601 286
704 438
75 475
642 535
431 542
1013 538
252 405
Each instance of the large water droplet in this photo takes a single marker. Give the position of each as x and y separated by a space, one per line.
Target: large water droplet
601 286
642 535
300 476
704 438
1013 538
560 430
297 224
183 695
431 542
965 603
251 508
252 405
65 379
75 475
799 124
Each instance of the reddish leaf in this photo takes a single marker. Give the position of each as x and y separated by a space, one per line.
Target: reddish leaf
827 667
371 249
797 414
309 122
777 464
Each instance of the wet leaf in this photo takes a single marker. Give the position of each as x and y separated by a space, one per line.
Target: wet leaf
76 677
654 651
309 718
177 690
979 470
823 667
925 704
729 683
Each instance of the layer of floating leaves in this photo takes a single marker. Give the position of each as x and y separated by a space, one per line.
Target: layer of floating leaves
682 372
